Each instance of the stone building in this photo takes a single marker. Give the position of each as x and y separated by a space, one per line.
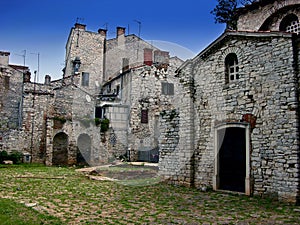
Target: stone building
140 94
239 111
61 122
11 102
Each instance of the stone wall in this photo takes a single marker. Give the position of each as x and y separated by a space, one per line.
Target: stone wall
11 86
267 89
256 15
130 47
89 48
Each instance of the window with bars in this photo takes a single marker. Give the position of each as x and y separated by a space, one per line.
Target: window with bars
294 27
85 79
167 88
144 116
290 23
231 68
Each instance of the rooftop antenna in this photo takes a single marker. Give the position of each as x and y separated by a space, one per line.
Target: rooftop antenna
105 25
36 75
140 25
139 35
24 57
79 19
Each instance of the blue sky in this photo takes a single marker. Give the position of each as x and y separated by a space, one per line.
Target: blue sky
43 26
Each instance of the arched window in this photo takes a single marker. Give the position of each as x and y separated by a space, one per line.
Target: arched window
290 23
231 68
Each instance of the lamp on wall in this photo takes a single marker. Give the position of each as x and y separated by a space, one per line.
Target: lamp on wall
76 65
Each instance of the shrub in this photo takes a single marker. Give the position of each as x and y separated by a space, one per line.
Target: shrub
15 156
104 125
3 156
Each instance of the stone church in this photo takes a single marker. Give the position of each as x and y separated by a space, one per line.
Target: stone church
228 119
238 118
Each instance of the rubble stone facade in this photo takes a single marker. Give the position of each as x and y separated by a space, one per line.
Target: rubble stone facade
227 119
239 112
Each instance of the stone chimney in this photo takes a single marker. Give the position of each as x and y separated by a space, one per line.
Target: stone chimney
80 26
4 58
102 32
47 80
148 58
27 77
120 31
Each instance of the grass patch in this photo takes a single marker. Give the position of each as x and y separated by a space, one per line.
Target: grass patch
17 214
75 199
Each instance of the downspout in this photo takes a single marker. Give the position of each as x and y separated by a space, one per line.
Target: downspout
32 118
296 52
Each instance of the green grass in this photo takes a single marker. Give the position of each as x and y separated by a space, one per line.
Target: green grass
64 196
12 213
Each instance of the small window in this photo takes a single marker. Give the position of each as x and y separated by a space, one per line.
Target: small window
6 82
117 89
167 88
85 79
125 65
231 68
99 112
144 116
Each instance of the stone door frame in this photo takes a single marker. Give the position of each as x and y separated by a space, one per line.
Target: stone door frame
216 178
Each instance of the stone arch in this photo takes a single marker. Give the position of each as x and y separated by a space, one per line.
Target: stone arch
84 147
229 50
274 20
60 149
287 21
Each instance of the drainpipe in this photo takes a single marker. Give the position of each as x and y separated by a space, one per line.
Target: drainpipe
32 118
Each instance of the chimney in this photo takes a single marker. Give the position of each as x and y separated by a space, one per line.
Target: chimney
47 80
102 32
148 60
80 26
4 58
26 77
120 31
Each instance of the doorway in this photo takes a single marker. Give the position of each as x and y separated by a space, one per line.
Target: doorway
84 144
232 158
60 149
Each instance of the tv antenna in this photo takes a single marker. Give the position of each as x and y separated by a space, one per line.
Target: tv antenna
140 25
38 65
78 19
24 57
139 36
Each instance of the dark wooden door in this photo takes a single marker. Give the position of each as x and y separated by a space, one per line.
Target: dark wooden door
232 159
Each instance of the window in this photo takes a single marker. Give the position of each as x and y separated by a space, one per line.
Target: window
167 88
85 79
290 23
144 116
125 65
99 112
6 82
117 89
231 68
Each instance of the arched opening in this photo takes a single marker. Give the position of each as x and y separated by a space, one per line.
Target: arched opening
60 149
232 158
231 68
84 144
290 23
